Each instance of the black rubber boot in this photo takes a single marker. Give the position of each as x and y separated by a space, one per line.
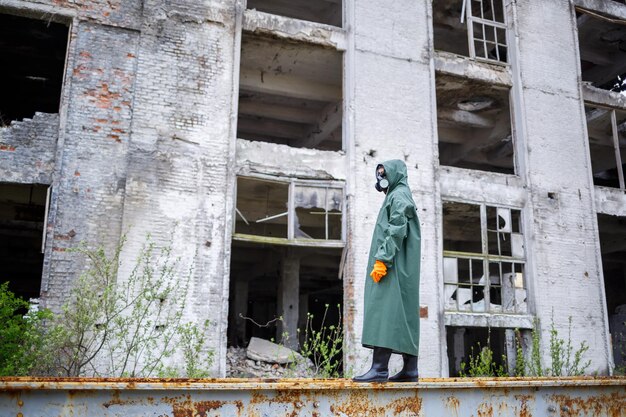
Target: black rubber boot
409 370
380 367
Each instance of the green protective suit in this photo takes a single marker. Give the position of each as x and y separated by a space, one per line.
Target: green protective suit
391 318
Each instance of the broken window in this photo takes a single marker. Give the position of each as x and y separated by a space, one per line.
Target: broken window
474 28
483 264
320 11
602 45
474 125
290 93
22 213
294 210
606 129
36 52
465 343
613 248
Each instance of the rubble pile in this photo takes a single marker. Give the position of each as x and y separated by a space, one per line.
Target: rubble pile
264 359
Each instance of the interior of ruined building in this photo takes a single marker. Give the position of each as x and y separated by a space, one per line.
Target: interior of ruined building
32 83
290 93
22 211
613 247
464 343
254 284
474 125
328 12
602 47
604 158
464 261
451 31
262 211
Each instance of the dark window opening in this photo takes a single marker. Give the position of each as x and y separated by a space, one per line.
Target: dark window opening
472 28
32 81
602 45
320 11
474 125
22 212
269 281
466 342
613 248
290 93
606 129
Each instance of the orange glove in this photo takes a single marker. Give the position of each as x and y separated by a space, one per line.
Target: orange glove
379 271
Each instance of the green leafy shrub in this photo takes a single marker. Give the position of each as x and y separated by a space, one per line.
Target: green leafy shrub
127 326
22 335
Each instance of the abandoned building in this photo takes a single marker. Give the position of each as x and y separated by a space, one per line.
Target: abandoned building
246 135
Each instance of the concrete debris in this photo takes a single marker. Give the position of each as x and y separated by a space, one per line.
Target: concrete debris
266 351
239 366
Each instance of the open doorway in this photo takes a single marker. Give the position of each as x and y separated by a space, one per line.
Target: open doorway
22 214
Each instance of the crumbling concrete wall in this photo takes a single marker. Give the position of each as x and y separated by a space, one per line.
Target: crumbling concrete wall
27 149
561 224
179 181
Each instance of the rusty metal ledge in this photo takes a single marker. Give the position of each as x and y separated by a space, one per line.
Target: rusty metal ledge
430 397
251 384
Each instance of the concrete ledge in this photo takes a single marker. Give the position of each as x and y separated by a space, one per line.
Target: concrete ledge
449 63
610 201
600 97
519 321
294 29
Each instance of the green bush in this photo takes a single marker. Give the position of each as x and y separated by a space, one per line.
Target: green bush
22 334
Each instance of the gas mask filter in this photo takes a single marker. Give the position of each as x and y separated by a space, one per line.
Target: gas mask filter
381 180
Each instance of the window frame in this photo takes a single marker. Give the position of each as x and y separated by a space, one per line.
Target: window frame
616 147
487 258
291 240
492 24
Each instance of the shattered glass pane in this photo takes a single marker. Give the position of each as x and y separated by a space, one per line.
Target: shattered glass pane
520 300
464 297
517 245
317 213
450 297
450 270
508 292
504 220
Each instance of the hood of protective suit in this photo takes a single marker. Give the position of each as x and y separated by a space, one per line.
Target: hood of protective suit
396 173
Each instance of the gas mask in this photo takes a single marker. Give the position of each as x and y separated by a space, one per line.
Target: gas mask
381 179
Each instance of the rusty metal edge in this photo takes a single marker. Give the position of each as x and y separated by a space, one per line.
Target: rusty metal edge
232 384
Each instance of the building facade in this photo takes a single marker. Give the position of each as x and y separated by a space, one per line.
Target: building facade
245 136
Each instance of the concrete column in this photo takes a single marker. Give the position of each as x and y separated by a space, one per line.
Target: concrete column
459 347
390 114
288 299
241 307
563 268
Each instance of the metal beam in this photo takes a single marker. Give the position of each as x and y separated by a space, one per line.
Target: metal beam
459 397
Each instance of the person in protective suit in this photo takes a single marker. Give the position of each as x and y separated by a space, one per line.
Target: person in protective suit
391 318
